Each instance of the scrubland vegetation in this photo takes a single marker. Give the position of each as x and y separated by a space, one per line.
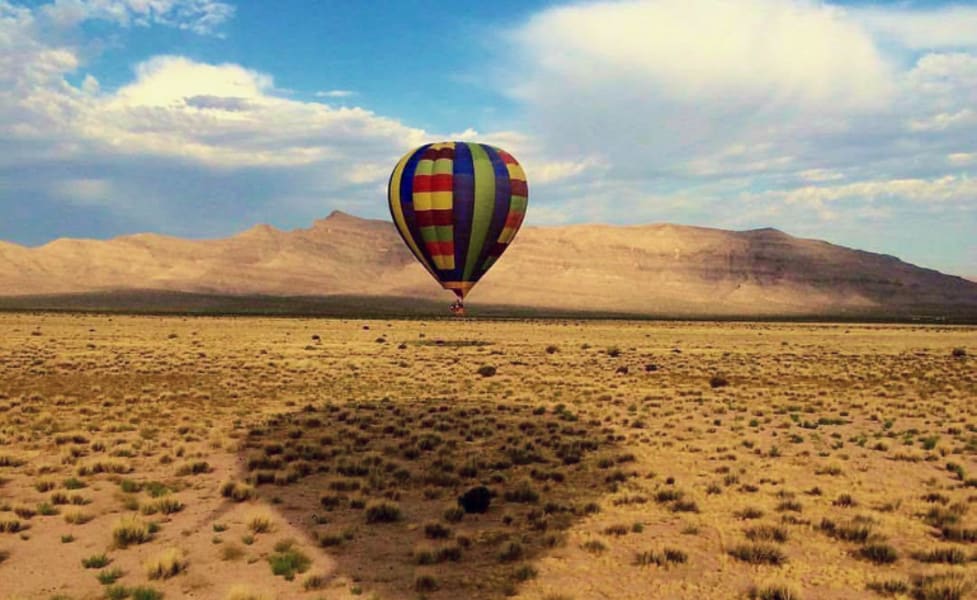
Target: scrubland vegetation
152 457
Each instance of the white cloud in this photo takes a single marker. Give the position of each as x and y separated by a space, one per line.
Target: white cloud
946 189
752 95
334 94
199 16
962 158
939 27
790 113
772 51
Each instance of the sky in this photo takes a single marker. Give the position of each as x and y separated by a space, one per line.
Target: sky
855 123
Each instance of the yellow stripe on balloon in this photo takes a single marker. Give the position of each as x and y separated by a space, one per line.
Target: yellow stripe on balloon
441 200
398 212
516 172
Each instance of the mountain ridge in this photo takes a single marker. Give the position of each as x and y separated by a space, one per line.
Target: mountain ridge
657 268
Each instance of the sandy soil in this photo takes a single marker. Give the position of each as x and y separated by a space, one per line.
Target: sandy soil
626 460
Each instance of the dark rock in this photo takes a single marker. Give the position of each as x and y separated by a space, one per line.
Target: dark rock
475 500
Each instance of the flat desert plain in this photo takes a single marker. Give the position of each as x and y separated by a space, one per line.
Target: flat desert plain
233 458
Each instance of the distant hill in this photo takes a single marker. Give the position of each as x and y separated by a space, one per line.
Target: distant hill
657 269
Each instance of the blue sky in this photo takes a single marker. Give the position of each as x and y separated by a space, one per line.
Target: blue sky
855 123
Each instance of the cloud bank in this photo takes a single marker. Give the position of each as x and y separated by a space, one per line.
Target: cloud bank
853 124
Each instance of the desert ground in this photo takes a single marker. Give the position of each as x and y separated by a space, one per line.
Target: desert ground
233 458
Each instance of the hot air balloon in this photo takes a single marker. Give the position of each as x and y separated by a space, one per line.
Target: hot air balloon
458 205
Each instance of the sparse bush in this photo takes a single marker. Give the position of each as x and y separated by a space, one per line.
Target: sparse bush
77 517
772 592
97 561
758 554
880 554
382 511
425 584
131 530
237 491
436 531
664 558
260 522
890 587
767 533
511 551
145 593
948 586
109 576
287 561
948 555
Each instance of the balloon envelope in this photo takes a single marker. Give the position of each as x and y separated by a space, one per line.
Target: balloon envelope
458 205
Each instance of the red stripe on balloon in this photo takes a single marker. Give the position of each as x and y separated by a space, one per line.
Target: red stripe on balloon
513 219
428 218
440 248
518 187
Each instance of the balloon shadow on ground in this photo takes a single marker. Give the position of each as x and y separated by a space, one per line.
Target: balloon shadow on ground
376 485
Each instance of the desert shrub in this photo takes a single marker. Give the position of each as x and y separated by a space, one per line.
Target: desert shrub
668 495
772 592
948 586
165 505
425 583
96 561
145 593
109 576
522 492
767 533
237 491
511 551
958 534
77 517
849 532
436 531
10 525
45 485
286 561
889 587
131 530
880 554
383 511
685 506
454 514
748 513
949 555
314 582
168 563
73 483
664 558
193 468
260 522
758 554
845 500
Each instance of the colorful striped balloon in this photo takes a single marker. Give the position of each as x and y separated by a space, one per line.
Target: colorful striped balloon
458 205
